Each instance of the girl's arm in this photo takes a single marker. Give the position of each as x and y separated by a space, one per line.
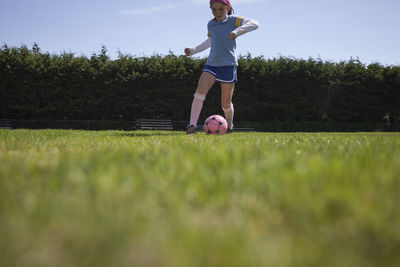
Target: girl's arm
201 47
248 26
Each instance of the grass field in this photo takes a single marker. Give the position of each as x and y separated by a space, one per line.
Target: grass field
111 198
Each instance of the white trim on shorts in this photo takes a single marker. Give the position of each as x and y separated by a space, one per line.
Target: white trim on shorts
222 81
213 73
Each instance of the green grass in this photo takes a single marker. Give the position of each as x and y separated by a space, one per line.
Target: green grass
111 198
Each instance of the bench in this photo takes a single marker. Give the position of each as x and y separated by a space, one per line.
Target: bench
244 129
5 124
155 124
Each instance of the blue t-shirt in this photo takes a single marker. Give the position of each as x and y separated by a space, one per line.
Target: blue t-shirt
223 49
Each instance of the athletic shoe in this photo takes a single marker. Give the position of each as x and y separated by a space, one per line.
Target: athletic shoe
230 130
191 129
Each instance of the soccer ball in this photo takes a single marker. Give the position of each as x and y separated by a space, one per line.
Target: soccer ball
215 124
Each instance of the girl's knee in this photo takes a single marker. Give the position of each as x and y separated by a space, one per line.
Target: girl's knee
226 105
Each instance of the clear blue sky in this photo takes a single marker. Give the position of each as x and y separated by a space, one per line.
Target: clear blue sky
332 30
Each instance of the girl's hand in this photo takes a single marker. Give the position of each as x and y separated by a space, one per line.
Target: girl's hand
187 51
232 36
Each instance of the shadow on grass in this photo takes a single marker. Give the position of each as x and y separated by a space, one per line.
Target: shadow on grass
148 134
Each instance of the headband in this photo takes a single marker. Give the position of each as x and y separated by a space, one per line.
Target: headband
225 2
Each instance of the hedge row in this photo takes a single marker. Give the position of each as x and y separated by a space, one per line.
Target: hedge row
38 85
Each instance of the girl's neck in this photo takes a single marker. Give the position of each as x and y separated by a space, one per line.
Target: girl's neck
221 19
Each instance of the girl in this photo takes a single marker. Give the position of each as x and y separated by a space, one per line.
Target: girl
222 62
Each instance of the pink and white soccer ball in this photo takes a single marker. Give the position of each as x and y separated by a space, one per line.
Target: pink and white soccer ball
215 124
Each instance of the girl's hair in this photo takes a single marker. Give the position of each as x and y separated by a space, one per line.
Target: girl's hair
225 2
231 11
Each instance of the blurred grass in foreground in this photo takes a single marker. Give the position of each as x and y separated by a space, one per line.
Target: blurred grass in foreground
110 198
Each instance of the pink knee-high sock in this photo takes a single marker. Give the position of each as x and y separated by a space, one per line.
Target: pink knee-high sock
229 112
197 106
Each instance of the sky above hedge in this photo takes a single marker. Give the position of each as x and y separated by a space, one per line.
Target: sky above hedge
331 30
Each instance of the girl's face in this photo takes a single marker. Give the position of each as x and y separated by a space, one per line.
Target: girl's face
220 11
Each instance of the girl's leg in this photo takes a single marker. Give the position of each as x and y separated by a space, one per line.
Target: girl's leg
226 102
206 81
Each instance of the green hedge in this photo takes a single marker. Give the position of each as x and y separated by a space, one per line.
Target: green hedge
38 85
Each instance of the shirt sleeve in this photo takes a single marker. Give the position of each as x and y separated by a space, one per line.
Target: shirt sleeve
201 47
245 25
